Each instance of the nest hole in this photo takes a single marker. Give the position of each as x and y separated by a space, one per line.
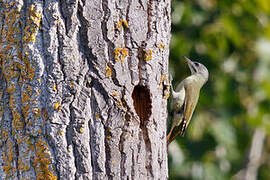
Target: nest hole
142 103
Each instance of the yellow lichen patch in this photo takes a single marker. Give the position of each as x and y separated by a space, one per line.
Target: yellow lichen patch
121 24
125 23
42 161
11 21
166 93
38 79
20 81
81 129
8 69
15 71
22 166
39 131
120 54
108 137
109 130
108 71
36 112
54 87
147 54
4 136
11 88
164 81
113 162
25 103
125 52
120 103
26 71
71 84
29 88
162 78
57 21
117 53
38 93
30 71
57 106
61 132
31 146
8 158
25 97
12 101
33 24
97 116
115 93
17 123
161 46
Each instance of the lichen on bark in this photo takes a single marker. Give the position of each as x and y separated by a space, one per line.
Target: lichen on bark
72 75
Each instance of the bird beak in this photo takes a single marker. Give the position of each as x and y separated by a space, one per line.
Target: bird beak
190 65
187 60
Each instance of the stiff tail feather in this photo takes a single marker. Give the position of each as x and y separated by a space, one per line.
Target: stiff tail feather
176 131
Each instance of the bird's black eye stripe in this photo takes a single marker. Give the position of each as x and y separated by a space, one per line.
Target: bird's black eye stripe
196 64
194 69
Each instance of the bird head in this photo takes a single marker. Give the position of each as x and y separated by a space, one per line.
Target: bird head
197 69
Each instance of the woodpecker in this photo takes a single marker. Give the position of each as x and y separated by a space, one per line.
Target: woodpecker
185 98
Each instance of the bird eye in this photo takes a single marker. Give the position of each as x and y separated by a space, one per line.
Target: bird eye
196 64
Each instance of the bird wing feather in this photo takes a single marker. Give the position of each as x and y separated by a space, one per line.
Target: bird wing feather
190 102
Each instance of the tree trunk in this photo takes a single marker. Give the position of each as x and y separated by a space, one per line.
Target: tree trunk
84 87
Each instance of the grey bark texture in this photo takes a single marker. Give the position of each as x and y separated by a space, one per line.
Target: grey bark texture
83 89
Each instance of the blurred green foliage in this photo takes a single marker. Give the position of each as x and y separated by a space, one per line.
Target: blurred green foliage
232 39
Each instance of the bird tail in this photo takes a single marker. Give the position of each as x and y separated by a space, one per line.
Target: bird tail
177 130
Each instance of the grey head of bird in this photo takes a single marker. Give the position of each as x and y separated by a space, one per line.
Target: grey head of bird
197 68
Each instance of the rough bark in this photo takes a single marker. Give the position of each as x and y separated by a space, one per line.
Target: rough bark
83 89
